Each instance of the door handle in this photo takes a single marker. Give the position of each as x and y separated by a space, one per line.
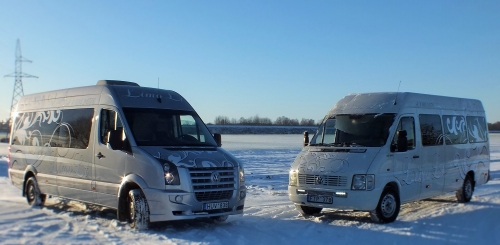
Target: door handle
413 156
100 155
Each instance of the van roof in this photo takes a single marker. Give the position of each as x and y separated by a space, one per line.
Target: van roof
392 102
116 82
106 92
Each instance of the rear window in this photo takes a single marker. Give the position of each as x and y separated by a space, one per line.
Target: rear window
477 129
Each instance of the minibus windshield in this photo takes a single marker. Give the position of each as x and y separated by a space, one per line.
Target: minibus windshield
164 127
349 130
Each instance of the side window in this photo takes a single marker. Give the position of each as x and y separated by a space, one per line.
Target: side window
189 127
408 124
431 130
330 132
476 126
109 120
76 127
61 137
455 130
54 128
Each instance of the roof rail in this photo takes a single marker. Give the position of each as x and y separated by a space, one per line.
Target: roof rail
116 82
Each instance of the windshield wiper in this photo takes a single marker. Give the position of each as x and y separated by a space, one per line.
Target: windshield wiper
345 144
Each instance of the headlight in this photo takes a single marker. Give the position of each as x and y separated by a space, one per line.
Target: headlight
241 173
293 178
363 182
170 173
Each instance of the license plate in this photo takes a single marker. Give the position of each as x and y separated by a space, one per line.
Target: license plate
215 205
320 199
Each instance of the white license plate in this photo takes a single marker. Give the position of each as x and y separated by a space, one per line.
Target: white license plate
215 205
320 199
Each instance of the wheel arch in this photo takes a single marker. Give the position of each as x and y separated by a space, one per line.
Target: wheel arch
394 185
129 183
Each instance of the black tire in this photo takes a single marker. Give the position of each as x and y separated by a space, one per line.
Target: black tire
220 219
388 207
33 195
307 211
138 215
464 194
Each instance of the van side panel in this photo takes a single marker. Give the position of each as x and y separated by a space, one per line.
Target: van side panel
55 143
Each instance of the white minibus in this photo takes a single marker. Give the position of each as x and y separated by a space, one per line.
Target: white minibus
376 151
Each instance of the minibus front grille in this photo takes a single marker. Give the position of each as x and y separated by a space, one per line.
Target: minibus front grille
312 179
210 184
213 195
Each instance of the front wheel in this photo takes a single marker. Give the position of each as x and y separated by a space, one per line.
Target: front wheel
33 195
388 207
307 211
465 192
138 210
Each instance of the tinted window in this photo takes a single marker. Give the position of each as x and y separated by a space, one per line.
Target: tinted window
109 120
430 130
407 124
55 128
455 130
478 132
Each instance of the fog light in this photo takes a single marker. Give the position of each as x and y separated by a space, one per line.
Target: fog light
178 198
243 194
341 194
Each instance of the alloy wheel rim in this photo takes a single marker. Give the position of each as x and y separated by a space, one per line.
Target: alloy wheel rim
31 193
131 208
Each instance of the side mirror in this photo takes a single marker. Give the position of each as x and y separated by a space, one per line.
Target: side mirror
402 141
117 141
218 139
306 138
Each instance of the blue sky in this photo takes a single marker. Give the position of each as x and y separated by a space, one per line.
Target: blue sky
265 58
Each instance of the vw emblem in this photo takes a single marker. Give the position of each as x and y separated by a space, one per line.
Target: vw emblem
215 177
319 180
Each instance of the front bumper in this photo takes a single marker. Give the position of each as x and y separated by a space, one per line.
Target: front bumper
164 207
353 200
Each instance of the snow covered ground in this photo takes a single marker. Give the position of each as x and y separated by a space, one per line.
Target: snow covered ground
269 216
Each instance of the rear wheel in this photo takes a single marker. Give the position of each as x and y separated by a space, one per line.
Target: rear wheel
465 192
138 210
307 211
33 195
388 207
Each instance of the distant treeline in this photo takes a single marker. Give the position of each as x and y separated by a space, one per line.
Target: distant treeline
264 121
256 120
4 126
285 121
494 126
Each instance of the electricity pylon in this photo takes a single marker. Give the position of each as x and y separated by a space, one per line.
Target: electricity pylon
18 92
